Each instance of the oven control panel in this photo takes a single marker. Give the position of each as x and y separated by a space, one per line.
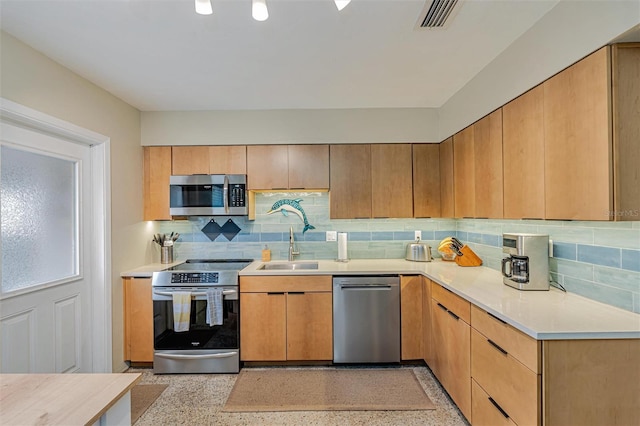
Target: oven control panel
194 278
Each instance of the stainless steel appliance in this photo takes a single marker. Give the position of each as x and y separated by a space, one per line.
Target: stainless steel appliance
418 252
203 348
366 319
208 195
527 266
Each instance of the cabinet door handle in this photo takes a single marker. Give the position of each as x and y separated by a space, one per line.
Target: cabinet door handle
441 306
453 315
496 318
274 293
495 404
296 292
495 345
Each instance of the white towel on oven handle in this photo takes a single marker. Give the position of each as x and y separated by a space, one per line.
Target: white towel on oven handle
181 310
214 306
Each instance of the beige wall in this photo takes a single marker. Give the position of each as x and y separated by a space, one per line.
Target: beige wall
33 80
366 125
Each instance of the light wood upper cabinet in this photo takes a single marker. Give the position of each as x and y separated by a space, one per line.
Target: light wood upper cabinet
426 180
577 143
523 156
464 170
446 178
228 160
157 172
268 167
487 154
412 338
350 167
209 160
288 166
391 180
625 60
138 320
190 160
308 166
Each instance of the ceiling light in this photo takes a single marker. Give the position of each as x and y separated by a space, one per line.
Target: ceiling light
203 7
259 10
341 4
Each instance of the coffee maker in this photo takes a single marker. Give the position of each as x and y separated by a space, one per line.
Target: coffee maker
527 266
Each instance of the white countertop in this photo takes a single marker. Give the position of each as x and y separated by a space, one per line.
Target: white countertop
543 315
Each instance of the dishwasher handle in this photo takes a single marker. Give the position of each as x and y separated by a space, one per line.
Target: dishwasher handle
364 287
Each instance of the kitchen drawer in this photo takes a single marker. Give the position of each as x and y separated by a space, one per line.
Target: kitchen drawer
522 347
285 283
452 302
509 382
484 412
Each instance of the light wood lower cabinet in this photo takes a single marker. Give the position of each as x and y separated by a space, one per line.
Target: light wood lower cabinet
138 320
412 341
591 382
485 410
451 345
286 318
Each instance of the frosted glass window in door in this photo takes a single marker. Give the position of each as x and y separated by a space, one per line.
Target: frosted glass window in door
39 218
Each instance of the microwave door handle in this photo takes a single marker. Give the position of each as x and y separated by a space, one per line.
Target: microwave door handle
225 194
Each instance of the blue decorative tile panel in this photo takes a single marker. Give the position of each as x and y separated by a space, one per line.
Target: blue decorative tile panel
631 260
605 256
359 236
564 251
380 236
271 236
405 236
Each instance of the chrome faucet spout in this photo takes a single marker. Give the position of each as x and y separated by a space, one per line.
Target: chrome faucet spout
292 251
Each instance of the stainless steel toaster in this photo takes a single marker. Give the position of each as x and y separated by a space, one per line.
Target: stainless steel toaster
418 252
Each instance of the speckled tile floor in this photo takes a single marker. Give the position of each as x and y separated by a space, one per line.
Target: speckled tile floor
196 399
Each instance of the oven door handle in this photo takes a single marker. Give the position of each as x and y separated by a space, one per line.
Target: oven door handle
206 356
168 293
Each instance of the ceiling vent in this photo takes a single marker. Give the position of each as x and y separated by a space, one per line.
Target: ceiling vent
438 13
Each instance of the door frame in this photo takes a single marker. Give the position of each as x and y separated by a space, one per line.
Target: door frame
99 221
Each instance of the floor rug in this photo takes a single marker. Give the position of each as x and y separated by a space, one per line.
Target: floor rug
142 396
279 389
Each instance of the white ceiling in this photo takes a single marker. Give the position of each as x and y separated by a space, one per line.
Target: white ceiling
159 55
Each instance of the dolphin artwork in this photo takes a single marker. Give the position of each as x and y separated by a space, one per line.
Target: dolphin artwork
285 206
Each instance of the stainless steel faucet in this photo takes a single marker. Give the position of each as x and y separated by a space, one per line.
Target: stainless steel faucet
292 252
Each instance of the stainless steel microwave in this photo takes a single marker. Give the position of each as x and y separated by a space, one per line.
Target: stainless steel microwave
208 195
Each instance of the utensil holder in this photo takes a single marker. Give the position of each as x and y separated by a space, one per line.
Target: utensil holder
166 254
468 258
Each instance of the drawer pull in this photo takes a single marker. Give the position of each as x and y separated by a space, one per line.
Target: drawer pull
453 315
495 404
496 318
296 292
441 306
495 345
275 293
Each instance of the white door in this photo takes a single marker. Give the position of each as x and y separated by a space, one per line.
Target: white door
45 298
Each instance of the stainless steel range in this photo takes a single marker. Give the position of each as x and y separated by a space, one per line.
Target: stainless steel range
206 338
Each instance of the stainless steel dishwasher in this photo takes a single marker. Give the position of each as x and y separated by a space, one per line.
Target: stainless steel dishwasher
366 319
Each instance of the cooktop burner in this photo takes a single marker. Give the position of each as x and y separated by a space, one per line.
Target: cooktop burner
211 265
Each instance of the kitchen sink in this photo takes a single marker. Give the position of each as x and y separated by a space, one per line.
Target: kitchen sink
290 266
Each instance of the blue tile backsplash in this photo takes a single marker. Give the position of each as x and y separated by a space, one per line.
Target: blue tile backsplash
599 260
